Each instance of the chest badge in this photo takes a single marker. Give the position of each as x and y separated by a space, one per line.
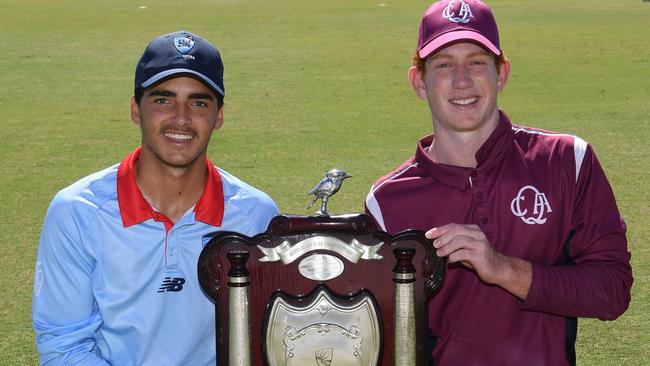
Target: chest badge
530 197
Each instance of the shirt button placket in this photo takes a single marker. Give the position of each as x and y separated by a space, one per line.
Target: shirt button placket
172 250
480 199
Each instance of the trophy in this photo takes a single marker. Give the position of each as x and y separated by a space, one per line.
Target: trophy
321 290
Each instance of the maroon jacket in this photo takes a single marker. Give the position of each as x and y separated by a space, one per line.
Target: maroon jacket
539 196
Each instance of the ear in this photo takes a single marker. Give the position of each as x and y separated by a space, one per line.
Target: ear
417 82
219 121
135 112
504 74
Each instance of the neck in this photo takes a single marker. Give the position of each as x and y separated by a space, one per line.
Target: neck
459 148
454 150
171 190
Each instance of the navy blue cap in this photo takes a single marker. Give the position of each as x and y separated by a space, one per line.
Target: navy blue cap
180 53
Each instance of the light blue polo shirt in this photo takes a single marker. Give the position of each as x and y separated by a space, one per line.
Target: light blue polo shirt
116 281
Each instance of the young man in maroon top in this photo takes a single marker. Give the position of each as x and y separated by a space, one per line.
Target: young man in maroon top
526 218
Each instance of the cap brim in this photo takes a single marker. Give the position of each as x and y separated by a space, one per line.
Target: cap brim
457 36
163 74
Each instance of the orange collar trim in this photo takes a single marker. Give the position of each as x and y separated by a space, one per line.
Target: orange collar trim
134 209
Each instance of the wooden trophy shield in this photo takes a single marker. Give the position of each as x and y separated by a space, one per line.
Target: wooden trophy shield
321 290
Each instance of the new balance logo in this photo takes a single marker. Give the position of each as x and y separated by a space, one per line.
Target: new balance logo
172 284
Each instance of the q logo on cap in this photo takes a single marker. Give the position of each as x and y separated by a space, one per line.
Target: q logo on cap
463 14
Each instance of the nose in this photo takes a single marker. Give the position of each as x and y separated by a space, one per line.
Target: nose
182 114
462 77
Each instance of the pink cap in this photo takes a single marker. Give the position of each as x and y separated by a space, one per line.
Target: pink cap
449 21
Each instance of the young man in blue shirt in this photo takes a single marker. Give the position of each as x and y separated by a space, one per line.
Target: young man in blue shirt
115 279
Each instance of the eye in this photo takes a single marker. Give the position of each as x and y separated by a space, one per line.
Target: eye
199 103
160 101
478 62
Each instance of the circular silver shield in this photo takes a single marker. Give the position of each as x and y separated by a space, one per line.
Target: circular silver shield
321 267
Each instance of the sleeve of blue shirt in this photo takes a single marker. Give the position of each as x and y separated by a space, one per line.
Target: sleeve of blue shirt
255 205
261 214
64 313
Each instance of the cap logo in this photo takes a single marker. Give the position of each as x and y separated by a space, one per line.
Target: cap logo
184 43
463 14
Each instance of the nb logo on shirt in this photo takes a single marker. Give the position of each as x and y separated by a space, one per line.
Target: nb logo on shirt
172 284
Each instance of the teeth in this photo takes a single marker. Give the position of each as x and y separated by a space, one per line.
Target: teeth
464 101
178 136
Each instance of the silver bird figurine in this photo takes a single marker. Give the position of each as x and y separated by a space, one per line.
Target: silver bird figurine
326 188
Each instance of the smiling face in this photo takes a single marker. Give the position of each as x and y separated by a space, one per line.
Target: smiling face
177 118
461 83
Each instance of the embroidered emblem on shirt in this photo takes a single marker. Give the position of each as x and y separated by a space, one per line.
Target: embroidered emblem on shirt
38 278
540 205
172 284
464 13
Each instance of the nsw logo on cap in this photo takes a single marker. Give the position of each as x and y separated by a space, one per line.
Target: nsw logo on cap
184 43
464 13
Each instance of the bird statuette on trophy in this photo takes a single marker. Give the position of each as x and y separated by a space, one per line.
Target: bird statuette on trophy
326 188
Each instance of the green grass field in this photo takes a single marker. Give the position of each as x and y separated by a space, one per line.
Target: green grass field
311 85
